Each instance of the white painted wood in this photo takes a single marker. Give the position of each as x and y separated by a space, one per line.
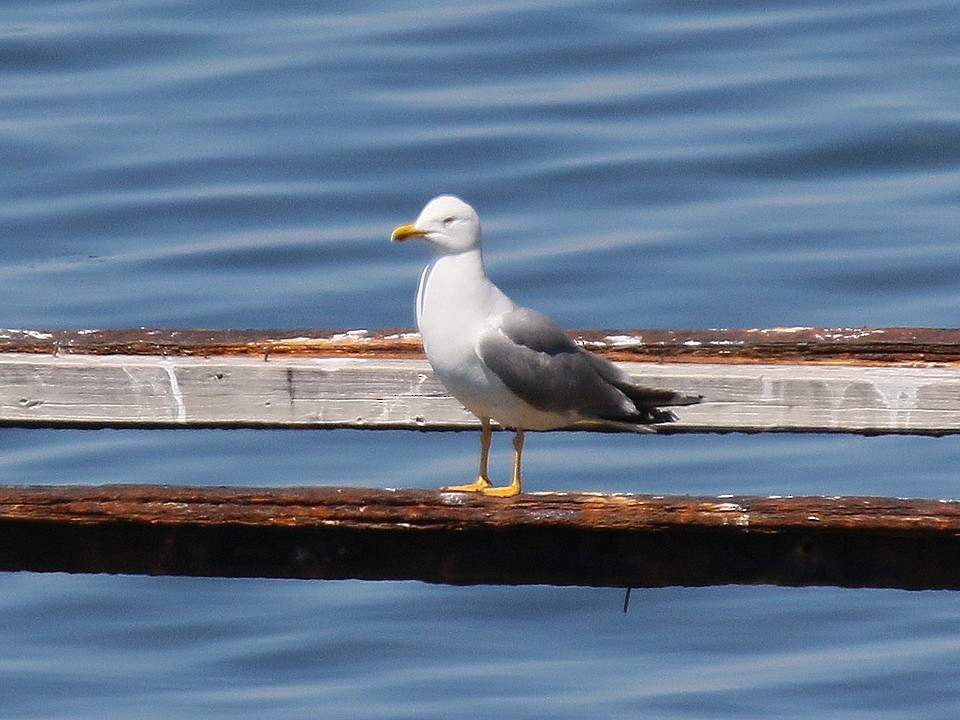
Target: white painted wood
144 390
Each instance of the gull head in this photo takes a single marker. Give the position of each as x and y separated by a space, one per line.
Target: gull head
446 224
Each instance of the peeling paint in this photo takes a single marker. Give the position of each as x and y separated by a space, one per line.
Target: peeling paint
621 341
175 392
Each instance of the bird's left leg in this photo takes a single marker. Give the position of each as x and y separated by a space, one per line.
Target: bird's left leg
483 480
514 487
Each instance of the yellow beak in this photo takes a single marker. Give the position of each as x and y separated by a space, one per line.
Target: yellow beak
405 232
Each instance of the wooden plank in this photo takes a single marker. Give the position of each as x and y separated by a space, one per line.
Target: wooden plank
552 538
796 345
289 391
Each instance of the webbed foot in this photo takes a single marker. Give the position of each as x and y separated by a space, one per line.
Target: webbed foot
478 485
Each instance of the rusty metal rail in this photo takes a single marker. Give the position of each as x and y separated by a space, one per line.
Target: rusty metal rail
542 538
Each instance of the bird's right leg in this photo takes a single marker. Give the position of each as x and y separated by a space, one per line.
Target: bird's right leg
483 479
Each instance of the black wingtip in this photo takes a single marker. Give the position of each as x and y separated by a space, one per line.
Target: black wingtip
656 414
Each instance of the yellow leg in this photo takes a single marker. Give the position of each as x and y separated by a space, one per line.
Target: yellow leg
483 481
514 487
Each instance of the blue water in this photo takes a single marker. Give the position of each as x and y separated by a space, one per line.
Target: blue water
683 164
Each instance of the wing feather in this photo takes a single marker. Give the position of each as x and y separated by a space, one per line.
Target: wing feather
540 364
535 359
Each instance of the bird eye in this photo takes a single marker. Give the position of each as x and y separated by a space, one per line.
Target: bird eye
448 221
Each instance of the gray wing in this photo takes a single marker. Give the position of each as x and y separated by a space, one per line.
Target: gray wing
538 362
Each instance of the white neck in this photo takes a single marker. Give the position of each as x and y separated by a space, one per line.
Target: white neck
455 298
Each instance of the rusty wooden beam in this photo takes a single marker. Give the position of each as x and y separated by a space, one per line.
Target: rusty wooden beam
542 538
885 346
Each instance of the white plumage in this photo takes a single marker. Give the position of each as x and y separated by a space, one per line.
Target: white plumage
505 362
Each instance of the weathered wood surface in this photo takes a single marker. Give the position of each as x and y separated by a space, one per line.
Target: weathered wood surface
74 390
542 538
858 346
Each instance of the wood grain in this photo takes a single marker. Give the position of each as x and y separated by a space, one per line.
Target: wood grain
795 345
552 538
74 390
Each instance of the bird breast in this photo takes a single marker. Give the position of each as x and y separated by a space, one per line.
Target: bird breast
455 301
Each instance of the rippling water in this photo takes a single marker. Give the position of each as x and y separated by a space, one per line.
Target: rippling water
722 164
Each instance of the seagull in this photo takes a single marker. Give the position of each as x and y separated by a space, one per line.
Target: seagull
507 363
